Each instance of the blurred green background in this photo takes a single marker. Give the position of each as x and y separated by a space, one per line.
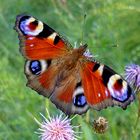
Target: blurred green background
108 23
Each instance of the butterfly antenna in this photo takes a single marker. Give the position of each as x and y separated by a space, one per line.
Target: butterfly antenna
83 25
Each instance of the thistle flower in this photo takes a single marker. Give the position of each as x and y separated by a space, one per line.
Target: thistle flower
100 125
132 75
88 54
56 128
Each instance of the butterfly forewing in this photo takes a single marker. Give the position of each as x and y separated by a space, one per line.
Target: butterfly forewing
38 40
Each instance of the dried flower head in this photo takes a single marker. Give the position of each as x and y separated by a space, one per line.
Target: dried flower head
56 128
100 125
132 75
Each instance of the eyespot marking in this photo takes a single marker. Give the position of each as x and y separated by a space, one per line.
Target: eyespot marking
80 100
121 92
35 67
118 84
30 26
33 25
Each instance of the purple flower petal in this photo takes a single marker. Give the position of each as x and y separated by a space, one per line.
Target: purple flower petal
56 128
132 75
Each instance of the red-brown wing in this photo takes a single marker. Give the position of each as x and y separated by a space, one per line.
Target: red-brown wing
43 48
38 40
68 94
42 75
63 87
103 87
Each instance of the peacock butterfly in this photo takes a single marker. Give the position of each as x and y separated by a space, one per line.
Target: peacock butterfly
73 81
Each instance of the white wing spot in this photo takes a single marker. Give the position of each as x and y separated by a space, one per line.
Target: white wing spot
30 38
31 45
100 69
99 94
106 93
52 36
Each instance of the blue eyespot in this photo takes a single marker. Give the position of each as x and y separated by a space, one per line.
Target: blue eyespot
35 67
80 100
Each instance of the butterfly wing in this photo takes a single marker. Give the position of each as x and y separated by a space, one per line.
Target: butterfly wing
38 40
43 49
41 75
68 94
73 91
103 87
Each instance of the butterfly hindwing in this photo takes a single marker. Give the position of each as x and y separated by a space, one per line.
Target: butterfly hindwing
103 87
68 94
41 75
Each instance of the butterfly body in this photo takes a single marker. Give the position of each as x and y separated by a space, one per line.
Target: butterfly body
69 78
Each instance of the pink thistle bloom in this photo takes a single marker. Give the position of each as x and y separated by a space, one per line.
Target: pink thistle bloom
56 128
132 75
